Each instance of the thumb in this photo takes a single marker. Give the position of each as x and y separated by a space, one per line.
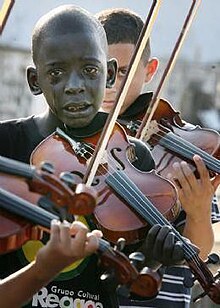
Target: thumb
215 181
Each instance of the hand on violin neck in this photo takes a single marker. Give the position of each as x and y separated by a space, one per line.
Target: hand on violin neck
69 243
161 248
195 194
215 182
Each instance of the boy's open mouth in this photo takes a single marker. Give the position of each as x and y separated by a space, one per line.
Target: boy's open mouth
75 108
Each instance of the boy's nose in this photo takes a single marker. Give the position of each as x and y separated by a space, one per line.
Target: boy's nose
74 85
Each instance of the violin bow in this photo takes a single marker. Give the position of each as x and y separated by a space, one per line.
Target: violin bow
113 115
4 13
168 69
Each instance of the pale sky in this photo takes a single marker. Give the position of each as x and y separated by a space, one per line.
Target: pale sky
201 43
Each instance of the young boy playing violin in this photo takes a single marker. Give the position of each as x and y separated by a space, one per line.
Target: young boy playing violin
199 205
71 69
67 244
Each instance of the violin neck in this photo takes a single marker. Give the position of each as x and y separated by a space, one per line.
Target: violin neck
25 209
176 144
13 167
187 150
104 246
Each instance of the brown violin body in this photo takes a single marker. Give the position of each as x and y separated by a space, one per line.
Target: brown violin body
116 219
113 216
166 121
16 231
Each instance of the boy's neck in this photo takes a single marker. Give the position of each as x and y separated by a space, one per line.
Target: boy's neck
47 123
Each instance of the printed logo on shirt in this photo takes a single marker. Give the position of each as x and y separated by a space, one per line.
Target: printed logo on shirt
56 297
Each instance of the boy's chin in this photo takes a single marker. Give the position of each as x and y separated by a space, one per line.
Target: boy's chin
79 123
107 106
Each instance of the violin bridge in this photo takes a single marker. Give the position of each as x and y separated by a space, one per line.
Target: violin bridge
103 161
149 131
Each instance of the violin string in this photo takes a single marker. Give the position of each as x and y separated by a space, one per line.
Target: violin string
186 148
189 149
181 144
150 210
152 215
156 216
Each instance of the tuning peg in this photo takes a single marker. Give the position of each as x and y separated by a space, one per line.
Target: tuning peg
120 245
68 178
212 259
47 166
189 281
137 258
217 275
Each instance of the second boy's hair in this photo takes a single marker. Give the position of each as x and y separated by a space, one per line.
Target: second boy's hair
123 26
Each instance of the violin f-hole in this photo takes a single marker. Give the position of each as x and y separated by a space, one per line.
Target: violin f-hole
120 165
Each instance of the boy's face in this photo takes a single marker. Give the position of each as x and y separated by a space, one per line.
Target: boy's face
123 53
71 72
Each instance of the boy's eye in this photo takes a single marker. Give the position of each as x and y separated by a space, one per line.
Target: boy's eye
55 73
122 72
91 71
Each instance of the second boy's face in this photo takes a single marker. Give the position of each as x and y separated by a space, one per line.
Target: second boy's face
123 53
71 72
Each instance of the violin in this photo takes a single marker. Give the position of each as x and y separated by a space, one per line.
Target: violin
171 140
122 180
14 208
123 208
40 187
115 217
162 126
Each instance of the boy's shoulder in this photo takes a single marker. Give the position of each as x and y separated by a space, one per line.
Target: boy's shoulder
18 137
138 107
15 124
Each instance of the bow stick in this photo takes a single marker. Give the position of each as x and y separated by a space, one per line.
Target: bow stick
109 125
4 13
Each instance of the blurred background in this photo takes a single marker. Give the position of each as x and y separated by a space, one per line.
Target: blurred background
193 87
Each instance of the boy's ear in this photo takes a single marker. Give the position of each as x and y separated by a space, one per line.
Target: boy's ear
32 81
151 69
112 67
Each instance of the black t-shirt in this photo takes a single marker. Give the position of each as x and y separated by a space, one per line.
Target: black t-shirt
79 284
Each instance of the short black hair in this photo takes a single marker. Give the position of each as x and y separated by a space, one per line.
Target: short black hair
123 26
65 19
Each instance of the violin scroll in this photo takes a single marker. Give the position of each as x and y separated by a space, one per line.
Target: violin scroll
145 283
61 190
